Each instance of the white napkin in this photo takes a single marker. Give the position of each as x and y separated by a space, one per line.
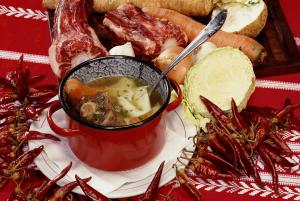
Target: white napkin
105 182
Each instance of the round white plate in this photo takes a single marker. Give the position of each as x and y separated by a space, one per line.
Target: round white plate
51 167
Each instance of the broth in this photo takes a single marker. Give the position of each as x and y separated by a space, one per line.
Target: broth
112 101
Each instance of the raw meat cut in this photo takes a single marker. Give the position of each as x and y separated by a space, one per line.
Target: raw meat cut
74 41
149 36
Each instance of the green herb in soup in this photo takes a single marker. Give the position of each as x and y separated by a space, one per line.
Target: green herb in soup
112 101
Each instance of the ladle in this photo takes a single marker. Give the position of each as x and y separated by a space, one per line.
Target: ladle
210 29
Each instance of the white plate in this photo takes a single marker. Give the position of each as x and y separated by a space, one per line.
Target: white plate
50 168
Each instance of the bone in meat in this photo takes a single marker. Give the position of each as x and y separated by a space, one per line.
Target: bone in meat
74 41
149 36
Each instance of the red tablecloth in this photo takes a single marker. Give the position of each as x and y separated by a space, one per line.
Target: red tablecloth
24 29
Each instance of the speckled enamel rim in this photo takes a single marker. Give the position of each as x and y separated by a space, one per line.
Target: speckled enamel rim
140 123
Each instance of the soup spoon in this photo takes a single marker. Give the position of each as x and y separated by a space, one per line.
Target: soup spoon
211 28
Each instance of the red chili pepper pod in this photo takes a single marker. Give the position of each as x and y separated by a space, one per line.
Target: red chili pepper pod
52 87
26 158
266 112
152 189
200 160
187 185
5 83
270 165
63 191
219 115
36 135
217 146
21 81
31 113
261 132
17 196
7 112
11 78
8 120
281 114
42 192
90 192
275 137
220 162
205 171
36 79
7 99
3 182
250 167
41 95
237 120
224 137
276 157
7 149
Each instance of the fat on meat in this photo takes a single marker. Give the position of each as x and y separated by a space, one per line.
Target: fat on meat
74 41
149 36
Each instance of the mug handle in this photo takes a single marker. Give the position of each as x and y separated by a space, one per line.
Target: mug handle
64 132
175 103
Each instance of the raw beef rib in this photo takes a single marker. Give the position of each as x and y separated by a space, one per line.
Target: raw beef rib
148 35
74 41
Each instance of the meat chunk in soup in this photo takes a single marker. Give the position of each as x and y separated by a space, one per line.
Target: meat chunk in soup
100 110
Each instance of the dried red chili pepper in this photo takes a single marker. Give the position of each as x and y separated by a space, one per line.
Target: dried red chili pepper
261 132
8 120
43 190
5 83
21 81
6 138
7 99
27 158
270 165
249 164
7 112
89 191
11 78
237 120
266 112
63 191
41 95
226 139
3 182
208 172
275 137
31 113
217 146
36 78
7 149
187 185
276 157
199 160
281 114
152 189
219 115
36 135
220 161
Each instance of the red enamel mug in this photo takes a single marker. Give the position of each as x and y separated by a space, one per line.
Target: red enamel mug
115 148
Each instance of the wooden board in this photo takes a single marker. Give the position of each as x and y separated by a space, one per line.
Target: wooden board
276 37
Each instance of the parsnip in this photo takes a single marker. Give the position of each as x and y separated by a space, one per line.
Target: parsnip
187 7
254 50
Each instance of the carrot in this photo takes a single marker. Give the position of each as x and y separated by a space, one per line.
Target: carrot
187 7
76 89
134 120
254 50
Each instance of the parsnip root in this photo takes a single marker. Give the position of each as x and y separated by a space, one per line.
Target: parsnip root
254 50
187 7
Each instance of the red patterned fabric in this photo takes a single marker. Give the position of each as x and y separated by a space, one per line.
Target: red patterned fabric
24 29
